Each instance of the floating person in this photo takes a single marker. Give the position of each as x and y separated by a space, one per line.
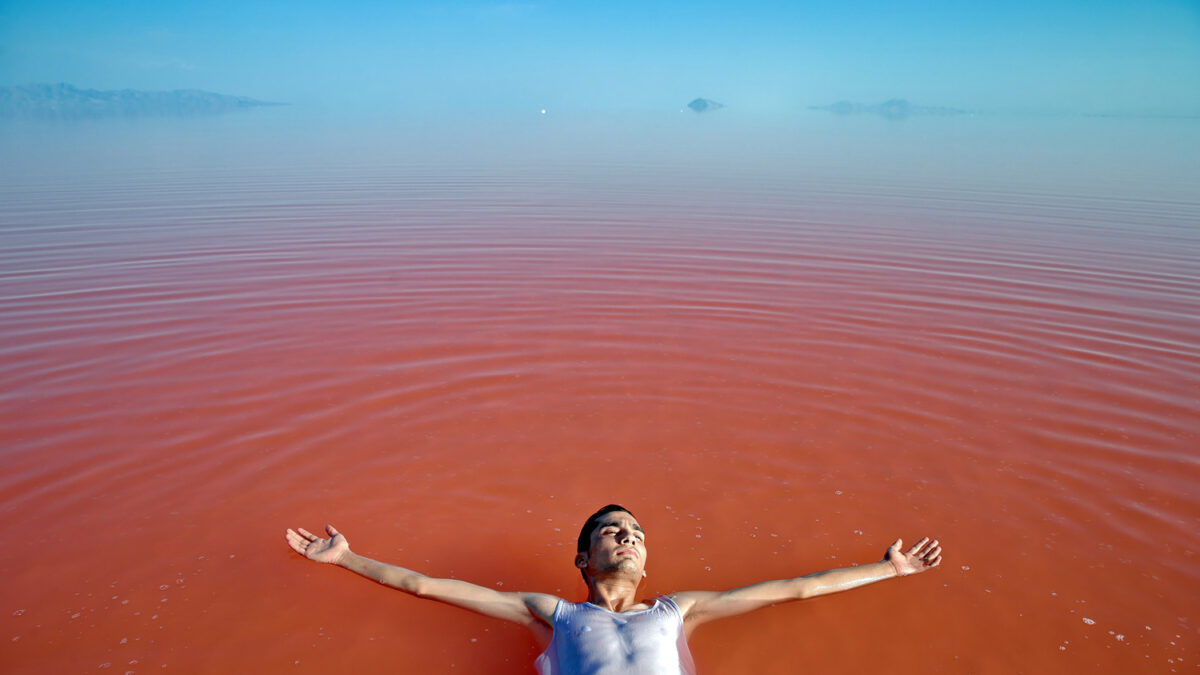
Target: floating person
614 632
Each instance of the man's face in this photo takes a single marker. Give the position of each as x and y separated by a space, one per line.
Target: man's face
618 546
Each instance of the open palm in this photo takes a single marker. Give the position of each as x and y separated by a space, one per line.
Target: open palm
923 555
315 548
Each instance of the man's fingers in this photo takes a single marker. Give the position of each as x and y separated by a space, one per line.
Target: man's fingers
917 546
296 542
332 532
307 535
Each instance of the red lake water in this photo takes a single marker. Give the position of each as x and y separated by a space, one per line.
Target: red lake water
781 350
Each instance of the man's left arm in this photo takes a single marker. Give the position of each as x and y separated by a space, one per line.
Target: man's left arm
701 606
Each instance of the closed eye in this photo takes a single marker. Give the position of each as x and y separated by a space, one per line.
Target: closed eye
610 530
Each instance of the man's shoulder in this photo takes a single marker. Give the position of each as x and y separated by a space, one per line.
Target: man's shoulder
543 605
684 601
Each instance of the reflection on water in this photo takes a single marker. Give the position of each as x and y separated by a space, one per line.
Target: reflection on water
782 345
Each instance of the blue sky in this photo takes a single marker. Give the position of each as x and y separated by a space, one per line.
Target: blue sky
1070 56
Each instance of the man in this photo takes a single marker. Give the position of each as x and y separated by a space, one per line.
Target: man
613 632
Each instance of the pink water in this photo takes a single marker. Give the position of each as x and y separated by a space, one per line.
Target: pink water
779 370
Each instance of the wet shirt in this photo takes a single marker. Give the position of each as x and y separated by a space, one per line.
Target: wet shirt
590 640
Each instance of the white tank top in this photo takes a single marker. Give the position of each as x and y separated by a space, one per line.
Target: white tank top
590 640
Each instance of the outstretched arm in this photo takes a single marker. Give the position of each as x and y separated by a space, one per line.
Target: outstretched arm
701 606
533 610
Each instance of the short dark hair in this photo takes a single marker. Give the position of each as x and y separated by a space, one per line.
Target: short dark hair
589 526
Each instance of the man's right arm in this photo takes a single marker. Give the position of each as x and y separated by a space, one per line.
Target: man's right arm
532 610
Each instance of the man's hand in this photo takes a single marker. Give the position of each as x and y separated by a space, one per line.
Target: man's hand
315 548
924 555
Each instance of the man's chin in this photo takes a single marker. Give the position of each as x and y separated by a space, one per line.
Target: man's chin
623 569
629 565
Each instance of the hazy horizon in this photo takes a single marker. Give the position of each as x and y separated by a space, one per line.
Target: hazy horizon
472 58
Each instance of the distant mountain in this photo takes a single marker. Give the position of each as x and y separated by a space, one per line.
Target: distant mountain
65 102
705 105
895 109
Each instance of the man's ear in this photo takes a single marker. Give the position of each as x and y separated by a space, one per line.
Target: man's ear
581 560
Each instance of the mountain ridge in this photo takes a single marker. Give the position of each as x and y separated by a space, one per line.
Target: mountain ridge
64 101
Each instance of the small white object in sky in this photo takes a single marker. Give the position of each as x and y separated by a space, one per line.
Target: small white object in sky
543 111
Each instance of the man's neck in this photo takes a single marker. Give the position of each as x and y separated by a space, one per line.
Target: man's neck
615 595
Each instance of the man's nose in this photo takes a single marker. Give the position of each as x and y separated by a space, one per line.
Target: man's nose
627 537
